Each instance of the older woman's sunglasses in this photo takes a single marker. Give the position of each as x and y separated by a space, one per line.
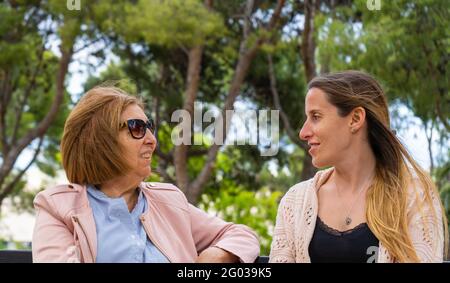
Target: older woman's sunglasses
138 127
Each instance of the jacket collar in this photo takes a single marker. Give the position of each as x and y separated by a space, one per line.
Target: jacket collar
84 220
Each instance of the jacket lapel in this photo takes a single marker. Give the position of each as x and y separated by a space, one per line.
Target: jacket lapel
85 229
84 225
151 219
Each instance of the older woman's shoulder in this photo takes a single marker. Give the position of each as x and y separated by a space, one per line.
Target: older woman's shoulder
164 189
165 194
61 189
160 186
61 199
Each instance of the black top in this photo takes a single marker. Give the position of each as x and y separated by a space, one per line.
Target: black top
355 245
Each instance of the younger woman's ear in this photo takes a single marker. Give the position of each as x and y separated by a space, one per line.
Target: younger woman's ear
358 117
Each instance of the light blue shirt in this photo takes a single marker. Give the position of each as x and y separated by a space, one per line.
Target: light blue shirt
120 234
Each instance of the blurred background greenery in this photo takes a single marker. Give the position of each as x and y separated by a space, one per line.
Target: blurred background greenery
227 54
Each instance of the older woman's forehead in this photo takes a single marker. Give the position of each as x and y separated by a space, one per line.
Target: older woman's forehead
133 112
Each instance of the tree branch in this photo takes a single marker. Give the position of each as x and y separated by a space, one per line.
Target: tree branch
88 45
245 58
292 134
430 141
161 170
11 157
441 117
156 107
193 80
308 45
9 187
197 152
247 18
167 157
439 91
27 95
4 102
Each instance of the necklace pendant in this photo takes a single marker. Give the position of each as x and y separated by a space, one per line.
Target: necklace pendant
348 220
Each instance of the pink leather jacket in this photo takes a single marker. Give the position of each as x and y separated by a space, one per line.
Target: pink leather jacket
65 228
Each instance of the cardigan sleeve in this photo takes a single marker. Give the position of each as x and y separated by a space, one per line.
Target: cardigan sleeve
425 225
282 249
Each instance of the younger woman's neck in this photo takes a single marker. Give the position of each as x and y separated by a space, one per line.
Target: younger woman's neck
356 172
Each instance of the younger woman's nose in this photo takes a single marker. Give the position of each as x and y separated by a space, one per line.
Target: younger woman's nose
305 132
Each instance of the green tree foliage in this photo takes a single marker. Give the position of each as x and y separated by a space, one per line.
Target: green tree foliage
34 102
410 53
255 209
27 77
190 23
405 45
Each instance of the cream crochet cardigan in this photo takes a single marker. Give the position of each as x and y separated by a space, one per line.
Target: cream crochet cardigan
296 220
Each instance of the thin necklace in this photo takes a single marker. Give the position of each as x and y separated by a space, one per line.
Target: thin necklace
348 219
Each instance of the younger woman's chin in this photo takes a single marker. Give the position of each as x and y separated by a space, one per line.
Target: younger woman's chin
319 164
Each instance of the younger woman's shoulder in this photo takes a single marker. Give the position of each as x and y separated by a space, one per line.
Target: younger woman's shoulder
309 186
297 193
300 188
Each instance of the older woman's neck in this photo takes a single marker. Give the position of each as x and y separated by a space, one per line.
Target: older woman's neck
120 187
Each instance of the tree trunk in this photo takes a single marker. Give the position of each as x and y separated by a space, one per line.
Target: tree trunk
246 56
10 157
308 170
308 48
193 79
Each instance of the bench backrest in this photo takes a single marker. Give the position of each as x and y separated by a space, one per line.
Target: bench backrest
15 256
24 256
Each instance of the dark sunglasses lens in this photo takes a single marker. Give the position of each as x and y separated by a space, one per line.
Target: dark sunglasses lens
137 128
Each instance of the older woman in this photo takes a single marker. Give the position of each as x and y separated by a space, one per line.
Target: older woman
375 204
108 214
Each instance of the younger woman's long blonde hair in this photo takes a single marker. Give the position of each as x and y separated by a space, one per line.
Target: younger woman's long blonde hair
396 170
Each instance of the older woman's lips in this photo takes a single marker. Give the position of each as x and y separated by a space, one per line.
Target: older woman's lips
146 156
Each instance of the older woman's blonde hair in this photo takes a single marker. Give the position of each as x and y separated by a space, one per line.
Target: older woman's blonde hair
91 153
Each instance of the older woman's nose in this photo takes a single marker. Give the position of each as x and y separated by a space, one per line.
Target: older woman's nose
149 138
